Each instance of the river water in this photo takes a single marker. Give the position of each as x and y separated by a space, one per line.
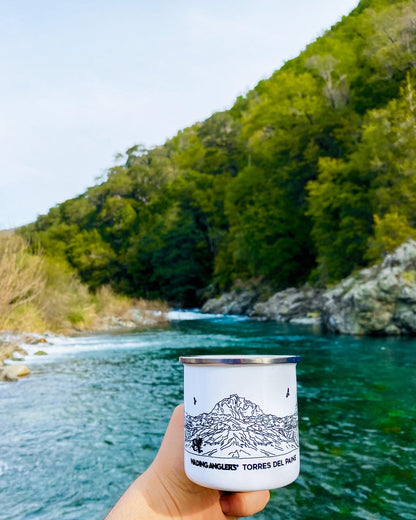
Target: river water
91 416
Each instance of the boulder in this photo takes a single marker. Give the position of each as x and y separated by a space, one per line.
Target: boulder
291 304
380 300
9 349
5 376
235 302
13 372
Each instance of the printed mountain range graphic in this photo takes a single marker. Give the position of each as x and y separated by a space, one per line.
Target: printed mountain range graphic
238 428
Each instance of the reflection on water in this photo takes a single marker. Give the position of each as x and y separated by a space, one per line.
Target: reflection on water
93 412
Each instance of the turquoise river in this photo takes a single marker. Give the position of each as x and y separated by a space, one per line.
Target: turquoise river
91 416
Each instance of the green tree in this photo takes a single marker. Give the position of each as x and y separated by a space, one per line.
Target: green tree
390 231
340 209
92 257
378 178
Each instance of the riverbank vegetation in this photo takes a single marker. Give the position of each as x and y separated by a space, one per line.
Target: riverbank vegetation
38 293
308 177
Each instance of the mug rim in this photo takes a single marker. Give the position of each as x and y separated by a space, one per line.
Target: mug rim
236 359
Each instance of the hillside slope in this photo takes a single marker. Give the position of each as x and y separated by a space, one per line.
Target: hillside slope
307 177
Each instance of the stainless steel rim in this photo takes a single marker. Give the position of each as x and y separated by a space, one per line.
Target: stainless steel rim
238 360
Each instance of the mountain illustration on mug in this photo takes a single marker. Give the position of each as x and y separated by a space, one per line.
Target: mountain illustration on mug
238 428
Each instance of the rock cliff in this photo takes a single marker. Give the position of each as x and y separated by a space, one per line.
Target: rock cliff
377 300
380 300
234 302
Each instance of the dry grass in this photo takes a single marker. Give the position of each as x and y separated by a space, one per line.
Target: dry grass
22 278
154 311
38 294
66 302
133 312
110 303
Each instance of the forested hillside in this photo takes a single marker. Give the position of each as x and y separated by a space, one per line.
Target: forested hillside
309 176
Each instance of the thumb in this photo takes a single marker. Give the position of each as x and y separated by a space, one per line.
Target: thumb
244 504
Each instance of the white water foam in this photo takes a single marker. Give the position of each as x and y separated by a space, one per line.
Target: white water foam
58 347
196 314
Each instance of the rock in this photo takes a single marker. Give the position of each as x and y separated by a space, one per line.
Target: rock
33 339
297 305
40 353
134 319
289 305
235 302
407 295
6 376
9 349
13 372
113 323
404 255
405 318
380 300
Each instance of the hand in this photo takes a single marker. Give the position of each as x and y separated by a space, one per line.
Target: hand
164 491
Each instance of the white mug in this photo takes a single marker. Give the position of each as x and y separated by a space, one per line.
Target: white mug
241 421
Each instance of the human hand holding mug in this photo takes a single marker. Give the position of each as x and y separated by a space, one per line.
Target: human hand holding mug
164 491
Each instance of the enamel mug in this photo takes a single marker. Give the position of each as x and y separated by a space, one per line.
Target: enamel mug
241 421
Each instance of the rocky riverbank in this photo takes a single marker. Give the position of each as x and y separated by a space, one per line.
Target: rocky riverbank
380 300
13 345
11 349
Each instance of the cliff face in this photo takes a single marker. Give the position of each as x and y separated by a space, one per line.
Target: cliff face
380 300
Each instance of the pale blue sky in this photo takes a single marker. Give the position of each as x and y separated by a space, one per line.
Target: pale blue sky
83 80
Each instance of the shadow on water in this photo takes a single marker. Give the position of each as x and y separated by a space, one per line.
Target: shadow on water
82 427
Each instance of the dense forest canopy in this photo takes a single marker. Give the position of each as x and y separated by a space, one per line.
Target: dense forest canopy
309 176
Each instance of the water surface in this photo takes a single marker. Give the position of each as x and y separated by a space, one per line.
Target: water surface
91 416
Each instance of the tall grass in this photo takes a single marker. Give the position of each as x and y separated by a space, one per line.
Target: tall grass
38 294
22 279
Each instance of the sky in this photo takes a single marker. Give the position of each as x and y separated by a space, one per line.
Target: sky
83 81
